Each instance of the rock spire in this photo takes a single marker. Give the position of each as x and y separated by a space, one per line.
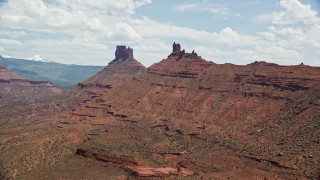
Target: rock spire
122 52
177 52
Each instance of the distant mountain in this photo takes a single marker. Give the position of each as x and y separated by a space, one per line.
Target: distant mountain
61 75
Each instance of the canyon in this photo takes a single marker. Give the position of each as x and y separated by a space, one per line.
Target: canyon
181 118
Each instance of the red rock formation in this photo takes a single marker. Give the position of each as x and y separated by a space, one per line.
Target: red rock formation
176 50
178 54
123 65
176 47
153 172
14 87
221 117
123 53
6 74
200 119
125 61
180 64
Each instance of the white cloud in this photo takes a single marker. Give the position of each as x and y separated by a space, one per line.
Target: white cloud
12 33
128 31
10 42
226 36
234 38
203 6
295 31
142 3
292 11
299 37
267 52
73 24
74 51
240 16
104 6
278 53
289 31
86 32
61 14
268 35
215 9
6 56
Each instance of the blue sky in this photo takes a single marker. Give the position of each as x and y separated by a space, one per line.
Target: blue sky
223 31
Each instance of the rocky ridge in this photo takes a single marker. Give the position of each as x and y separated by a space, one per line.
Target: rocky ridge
123 66
14 86
183 116
7 75
187 110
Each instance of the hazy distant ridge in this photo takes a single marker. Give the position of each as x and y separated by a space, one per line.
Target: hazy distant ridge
62 75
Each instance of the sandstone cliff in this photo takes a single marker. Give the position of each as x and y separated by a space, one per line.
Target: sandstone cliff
123 66
14 87
210 120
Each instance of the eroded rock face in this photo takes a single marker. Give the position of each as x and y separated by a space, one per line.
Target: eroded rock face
122 52
176 47
196 117
6 74
153 172
177 53
190 117
123 65
124 60
180 64
14 87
